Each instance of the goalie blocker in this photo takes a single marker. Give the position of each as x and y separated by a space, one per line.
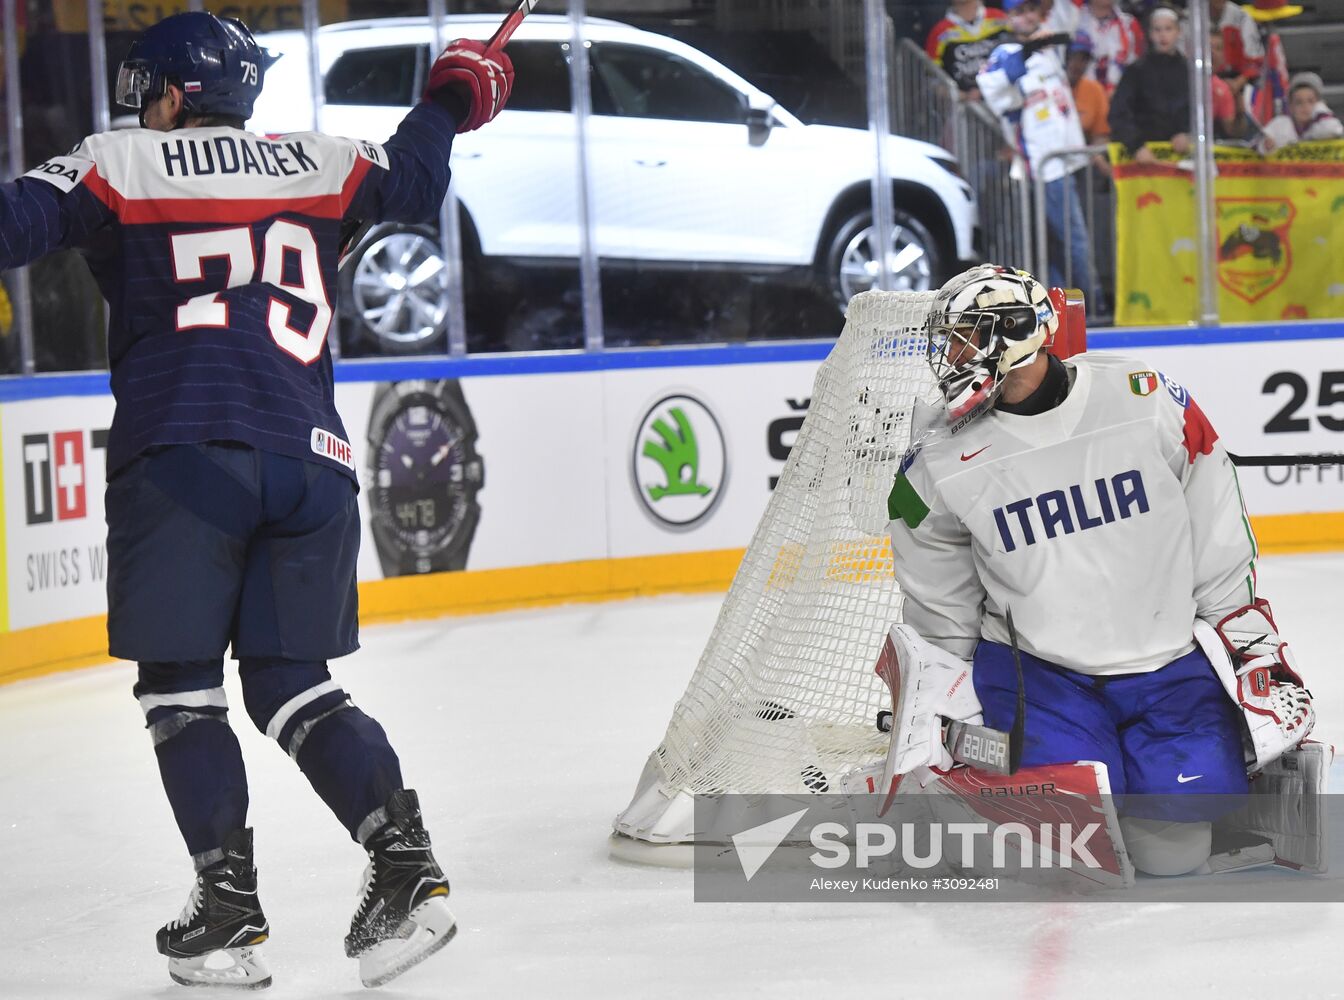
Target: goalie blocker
936 738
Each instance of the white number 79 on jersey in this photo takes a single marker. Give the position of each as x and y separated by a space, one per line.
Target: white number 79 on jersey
191 250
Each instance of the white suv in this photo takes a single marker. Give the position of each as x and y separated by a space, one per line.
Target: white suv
691 167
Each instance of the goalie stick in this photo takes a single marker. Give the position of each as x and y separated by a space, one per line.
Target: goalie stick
1267 460
353 230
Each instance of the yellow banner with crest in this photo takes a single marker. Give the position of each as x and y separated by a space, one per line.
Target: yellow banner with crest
1279 224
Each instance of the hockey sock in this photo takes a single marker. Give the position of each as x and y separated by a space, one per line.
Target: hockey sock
200 761
350 764
342 752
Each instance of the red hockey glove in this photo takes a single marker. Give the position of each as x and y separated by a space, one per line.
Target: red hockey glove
1277 707
483 79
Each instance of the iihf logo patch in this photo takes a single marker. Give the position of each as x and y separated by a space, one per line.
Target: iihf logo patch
1177 391
328 445
1143 383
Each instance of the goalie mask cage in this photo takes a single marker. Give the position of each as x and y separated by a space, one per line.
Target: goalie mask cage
784 698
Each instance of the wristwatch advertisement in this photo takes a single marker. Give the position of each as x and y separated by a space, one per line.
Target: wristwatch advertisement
423 477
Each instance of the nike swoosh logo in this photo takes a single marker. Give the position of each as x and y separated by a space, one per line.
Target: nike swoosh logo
1183 779
966 458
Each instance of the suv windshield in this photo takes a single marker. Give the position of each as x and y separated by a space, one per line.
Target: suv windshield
383 77
638 82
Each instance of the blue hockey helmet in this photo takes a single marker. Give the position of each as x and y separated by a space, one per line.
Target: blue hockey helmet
215 61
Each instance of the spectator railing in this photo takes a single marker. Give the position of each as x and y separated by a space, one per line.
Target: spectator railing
924 99
1094 186
927 105
1002 189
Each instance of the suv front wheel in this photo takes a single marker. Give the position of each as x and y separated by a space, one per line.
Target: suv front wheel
394 290
851 261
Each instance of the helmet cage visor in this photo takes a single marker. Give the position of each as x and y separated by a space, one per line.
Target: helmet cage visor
961 347
134 80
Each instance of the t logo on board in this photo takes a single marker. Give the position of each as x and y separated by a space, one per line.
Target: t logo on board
55 475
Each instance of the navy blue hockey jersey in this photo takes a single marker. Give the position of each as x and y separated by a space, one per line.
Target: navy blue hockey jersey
216 251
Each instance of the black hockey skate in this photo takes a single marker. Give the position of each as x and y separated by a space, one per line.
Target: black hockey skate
403 916
221 923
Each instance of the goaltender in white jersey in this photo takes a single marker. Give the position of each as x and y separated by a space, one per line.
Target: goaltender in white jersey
1092 499
1098 522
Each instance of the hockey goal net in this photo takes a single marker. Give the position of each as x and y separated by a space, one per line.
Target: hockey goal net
784 698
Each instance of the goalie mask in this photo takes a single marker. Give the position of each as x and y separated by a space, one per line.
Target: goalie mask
985 323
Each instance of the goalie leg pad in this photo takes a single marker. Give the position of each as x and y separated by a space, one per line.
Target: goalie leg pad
928 685
1029 811
1287 805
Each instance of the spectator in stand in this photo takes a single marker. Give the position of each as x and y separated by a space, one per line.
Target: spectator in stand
1308 118
1117 40
1243 51
1152 102
1026 73
962 41
1060 16
1094 107
1089 97
1269 93
1229 118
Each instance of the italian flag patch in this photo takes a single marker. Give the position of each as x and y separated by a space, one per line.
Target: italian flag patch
1142 383
904 504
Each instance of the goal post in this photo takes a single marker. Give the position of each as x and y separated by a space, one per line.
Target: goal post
784 698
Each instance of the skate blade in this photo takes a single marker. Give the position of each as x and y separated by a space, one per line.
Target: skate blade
246 969
429 927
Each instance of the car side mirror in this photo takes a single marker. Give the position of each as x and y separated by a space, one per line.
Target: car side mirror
760 120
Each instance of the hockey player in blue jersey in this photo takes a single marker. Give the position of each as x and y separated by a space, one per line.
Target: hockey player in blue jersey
231 500
1093 500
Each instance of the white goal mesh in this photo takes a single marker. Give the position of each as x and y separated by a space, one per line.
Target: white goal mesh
784 698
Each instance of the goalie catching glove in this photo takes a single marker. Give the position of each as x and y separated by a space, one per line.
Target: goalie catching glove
1263 681
467 71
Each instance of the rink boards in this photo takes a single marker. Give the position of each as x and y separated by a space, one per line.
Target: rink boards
614 474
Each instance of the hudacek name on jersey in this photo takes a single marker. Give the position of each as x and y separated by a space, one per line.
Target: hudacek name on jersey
235 154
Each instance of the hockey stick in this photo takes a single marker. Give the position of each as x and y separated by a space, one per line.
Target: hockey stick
1267 460
501 37
353 230
1018 732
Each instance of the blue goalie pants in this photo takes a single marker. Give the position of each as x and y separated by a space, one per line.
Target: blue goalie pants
1170 732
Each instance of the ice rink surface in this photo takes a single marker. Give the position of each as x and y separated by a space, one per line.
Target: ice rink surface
524 734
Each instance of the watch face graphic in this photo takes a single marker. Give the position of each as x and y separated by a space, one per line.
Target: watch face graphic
425 474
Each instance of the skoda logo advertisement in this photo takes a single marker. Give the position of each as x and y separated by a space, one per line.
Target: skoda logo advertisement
680 462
